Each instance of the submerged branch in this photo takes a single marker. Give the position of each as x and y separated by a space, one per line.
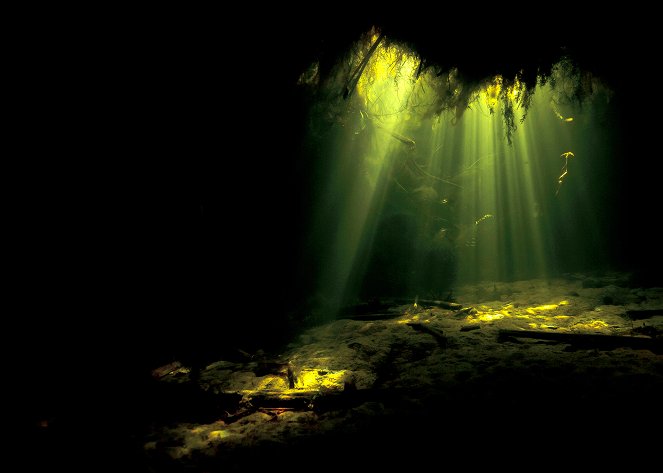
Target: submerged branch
402 138
565 170
427 174
587 340
354 78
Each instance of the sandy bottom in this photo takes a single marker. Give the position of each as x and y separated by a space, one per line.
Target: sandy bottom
421 384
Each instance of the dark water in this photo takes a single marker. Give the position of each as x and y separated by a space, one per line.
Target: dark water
224 211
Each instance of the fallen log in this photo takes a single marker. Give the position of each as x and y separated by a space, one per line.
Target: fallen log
429 302
469 328
299 400
438 335
317 400
382 307
369 317
587 340
639 314
462 312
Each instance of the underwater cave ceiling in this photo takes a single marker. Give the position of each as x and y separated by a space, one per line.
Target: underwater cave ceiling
477 52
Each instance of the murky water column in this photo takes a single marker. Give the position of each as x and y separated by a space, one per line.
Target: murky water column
430 182
510 206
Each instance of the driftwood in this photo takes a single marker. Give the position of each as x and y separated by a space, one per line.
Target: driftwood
469 328
376 316
275 402
587 340
383 310
639 314
299 400
437 334
462 312
429 302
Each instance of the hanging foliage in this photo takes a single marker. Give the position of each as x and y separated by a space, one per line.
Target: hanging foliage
387 81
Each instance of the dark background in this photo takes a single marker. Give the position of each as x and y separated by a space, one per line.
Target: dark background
160 186
222 188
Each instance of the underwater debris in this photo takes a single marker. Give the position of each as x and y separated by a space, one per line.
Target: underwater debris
356 75
639 314
410 162
469 236
485 217
171 369
437 334
559 115
586 340
409 142
647 330
461 234
565 169
470 328
392 301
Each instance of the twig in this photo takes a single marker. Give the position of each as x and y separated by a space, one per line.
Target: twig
354 78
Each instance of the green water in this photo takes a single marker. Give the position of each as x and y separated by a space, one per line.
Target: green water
421 182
